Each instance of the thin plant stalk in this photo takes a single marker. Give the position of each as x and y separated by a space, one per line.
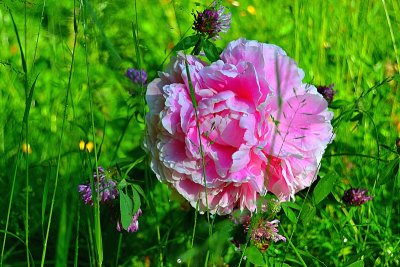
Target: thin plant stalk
77 237
60 147
294 248
28 100
27 152
135 35
118 249
97 222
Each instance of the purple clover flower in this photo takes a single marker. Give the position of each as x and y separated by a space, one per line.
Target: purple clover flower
356 196
262 233
105 188
327 92
134 226
266 231
137 76
212 21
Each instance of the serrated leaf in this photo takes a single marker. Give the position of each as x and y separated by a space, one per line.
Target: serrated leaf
126 208
359 263
323 188
389 171
210 50
255 256
289 213
186 43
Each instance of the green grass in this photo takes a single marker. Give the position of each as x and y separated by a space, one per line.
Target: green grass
62 80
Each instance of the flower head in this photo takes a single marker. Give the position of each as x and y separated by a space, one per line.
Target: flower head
89 146
26 148
137 76
265 232
81 145
356 196
327 92
134 226
257 127
212 21
106 188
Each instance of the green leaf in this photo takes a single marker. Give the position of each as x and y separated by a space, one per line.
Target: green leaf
122 184
255 256
292 205
136 200
210 50
307 213
359 263
289 212
139 189
19 44
323 188
357 117
339 104
187 42
126 208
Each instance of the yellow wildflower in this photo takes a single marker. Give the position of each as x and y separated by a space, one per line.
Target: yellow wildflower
81 145
89 146
26 148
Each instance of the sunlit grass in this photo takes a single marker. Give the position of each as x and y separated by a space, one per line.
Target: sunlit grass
72 89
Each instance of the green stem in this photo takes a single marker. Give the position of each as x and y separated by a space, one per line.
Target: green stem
294 248
59 151
159 242
118 249
77 238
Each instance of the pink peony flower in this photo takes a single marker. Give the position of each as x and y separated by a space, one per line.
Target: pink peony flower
262 129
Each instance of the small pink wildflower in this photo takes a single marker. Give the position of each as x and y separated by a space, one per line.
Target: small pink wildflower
212 21
134 226
356 196
327 92
105 188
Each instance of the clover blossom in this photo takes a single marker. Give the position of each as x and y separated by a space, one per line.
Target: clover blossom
134 226
356 196
265 232
212 21
327 92
136 76
262 232
105 188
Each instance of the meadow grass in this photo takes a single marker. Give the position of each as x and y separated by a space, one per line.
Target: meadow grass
62 67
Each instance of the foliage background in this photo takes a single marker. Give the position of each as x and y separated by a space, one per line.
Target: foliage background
352 44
